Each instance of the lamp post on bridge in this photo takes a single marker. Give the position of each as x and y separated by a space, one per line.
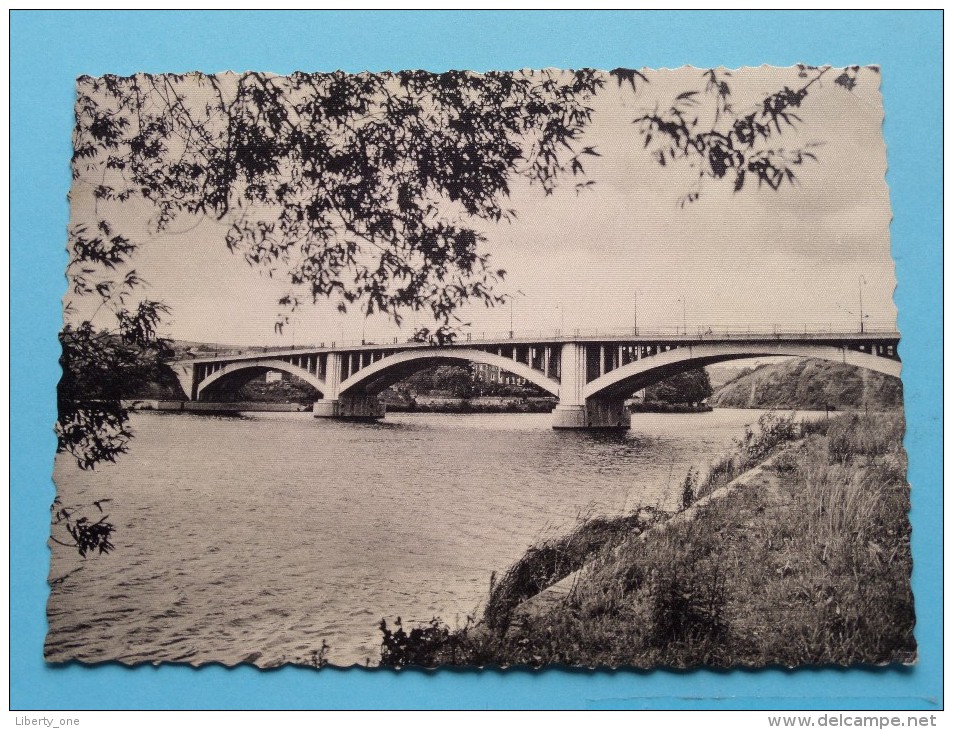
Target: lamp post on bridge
562 318
635 313
684 316
861 280
522 294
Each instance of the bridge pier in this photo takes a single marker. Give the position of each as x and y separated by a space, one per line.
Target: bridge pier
575 411
596 413
349 406
356 407
185 374
607 413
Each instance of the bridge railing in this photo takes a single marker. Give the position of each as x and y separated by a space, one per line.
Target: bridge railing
692 331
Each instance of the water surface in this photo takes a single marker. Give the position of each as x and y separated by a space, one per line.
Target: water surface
257 538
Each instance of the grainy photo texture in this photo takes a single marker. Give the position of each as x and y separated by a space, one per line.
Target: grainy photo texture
537 367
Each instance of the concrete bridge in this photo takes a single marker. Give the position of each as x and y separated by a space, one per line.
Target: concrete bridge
591 374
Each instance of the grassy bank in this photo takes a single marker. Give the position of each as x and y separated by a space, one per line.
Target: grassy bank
807 564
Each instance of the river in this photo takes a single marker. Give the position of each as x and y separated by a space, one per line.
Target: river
257 538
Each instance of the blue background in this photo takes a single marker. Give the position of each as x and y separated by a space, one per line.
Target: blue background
49 49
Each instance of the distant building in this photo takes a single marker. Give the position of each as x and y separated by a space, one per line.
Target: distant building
274 376
483 373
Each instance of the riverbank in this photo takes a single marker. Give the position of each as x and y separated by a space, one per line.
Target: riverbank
482 404
809 563
194 406
420 405
662 407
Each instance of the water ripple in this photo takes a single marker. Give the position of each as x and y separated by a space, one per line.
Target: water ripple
255 539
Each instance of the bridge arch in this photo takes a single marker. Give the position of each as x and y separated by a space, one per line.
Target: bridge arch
251 368
391 369
655 368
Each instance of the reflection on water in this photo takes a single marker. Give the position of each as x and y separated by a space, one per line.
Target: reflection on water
257 538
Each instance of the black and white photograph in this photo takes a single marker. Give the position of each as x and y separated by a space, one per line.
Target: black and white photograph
524 368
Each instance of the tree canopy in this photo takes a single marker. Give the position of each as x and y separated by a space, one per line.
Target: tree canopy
691 387
355 187
367 188
725 143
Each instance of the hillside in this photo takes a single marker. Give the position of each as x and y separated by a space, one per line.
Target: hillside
719 375
810 384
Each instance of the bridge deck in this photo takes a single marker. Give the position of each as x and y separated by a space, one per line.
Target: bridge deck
582 337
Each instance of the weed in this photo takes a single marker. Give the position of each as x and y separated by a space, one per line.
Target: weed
319 657
689 487
428 645
553 559
688 604
721 472
773 430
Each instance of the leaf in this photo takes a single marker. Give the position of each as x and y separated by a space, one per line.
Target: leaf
628 75
845 80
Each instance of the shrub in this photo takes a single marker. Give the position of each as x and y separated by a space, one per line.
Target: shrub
773 430
423 646
840 445
862 435
688 487
319 657
687 604
553 559
788 461
721 472
814 426
751 449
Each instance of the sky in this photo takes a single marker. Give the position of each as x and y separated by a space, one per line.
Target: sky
802 256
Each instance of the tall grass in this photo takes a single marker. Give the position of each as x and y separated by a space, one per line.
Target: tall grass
773 430
847 435
856 435
817 572
754 446
811 567
834 502
550 560
852 544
